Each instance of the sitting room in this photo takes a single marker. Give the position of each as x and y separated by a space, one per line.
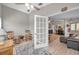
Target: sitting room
64 32
39 28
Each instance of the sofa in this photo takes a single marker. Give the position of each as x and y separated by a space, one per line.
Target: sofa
73 43
63 39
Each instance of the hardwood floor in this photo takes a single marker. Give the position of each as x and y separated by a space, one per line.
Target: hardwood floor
57 48
53 37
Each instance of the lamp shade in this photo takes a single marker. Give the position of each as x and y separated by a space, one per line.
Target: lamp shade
2 32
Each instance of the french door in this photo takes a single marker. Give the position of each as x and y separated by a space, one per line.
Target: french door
40 31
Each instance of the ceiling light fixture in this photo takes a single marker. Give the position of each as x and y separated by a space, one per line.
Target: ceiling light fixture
32 6
27 4
29 7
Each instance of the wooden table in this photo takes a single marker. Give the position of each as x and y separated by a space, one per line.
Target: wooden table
7 48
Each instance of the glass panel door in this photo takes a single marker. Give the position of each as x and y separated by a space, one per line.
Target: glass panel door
40 31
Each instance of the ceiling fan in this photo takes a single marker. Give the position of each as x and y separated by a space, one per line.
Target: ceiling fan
64 9
30 6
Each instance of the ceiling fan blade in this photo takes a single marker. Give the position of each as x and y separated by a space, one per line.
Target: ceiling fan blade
40 4
36 8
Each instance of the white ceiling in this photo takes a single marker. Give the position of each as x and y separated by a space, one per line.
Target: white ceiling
50 9
55 8
72 14
22 7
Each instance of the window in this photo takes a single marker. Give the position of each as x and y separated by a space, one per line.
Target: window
73 27
77 25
